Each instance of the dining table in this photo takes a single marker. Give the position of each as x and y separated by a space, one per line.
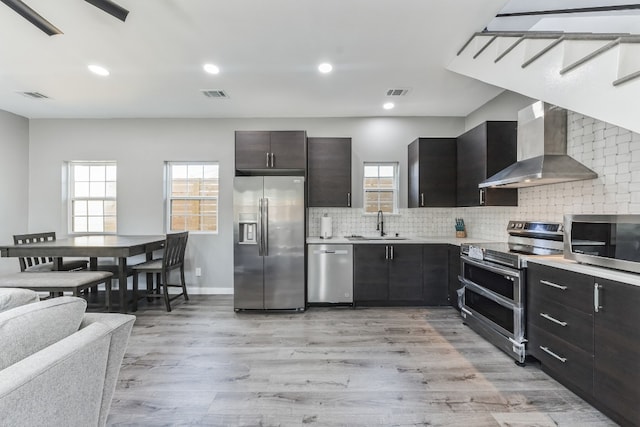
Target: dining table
93 247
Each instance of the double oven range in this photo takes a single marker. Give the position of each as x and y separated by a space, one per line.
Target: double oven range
493 282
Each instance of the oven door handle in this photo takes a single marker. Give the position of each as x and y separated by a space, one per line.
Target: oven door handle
494 268
499 299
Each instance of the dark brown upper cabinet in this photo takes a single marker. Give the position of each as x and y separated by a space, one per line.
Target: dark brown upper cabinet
432 172
482 152
271 152
329 172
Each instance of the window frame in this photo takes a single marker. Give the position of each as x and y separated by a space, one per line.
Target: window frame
395 190
72 198
169 198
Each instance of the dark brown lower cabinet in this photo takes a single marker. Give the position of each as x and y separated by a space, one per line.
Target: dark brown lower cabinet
435 260
405 274
617 350
567 363
371 273
400 274
586 333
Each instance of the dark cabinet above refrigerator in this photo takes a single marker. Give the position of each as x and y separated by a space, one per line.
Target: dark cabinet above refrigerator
270 152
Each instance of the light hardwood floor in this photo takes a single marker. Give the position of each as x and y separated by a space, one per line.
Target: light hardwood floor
203 364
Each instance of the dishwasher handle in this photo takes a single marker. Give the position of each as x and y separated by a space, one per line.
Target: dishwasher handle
331 252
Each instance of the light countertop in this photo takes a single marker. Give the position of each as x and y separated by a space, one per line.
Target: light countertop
591 270
425 240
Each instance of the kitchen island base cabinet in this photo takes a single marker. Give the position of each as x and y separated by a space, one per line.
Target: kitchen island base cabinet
400 275
585 332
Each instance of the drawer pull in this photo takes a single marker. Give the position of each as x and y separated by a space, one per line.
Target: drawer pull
553 285
551 353
552 319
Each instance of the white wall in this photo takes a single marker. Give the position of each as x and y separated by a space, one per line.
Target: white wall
14 182
141 146
503 107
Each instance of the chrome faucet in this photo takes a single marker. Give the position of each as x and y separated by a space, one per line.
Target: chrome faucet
380 226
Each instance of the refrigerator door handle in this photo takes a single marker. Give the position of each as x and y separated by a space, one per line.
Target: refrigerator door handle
265 227
259 235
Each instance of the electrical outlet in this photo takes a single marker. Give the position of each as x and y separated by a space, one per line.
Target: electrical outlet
198 272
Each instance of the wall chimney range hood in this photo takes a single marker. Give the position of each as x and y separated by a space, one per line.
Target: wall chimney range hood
542 151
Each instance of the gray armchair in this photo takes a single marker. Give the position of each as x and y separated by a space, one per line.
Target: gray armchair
59 365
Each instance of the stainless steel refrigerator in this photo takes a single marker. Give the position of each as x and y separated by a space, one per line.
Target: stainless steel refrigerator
269 238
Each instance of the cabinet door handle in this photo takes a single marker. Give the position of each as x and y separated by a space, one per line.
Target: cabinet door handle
386 252
553 285
553 319
348 200
552 354
267 159
391 252
596 298
482 201
273 160
422 199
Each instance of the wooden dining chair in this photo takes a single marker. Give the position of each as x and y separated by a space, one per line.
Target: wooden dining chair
43 264
172 259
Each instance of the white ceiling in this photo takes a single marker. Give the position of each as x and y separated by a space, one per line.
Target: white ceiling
268 52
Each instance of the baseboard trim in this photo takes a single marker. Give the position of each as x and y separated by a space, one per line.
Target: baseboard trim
202 290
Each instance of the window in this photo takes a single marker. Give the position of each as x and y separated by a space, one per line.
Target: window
92 186
380 187
192 202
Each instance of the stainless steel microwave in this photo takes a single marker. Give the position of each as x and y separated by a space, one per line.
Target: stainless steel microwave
611 241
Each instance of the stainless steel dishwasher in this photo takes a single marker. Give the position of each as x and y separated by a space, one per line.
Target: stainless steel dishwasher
330 274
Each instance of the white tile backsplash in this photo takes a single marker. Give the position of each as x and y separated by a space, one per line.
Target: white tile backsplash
612 152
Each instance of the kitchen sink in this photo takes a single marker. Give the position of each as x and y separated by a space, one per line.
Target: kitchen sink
369 238
361 238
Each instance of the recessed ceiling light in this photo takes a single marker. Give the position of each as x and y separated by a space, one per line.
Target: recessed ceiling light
388 105
97 69
211 69
325 67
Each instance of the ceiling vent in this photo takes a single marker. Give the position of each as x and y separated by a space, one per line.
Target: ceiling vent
215 94
34 95
397 92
